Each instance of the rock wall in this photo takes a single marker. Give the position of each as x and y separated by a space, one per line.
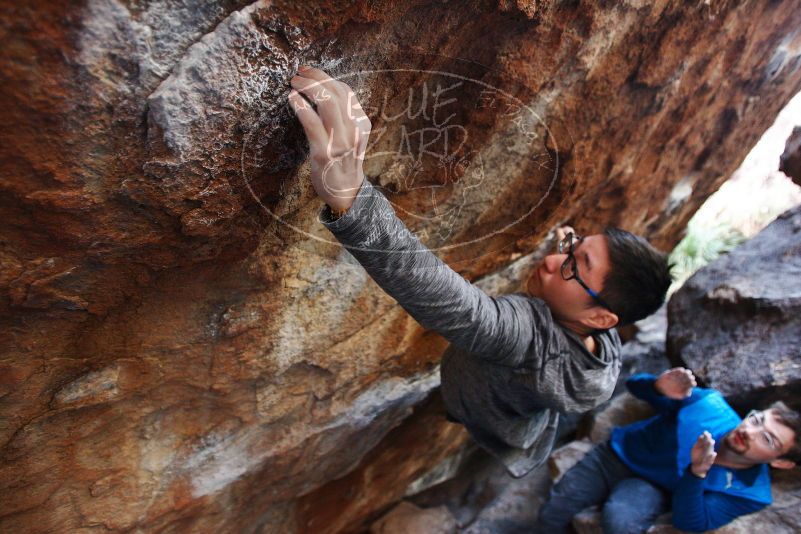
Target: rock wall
183 347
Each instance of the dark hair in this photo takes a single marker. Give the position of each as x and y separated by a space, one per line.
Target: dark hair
791 419
638 279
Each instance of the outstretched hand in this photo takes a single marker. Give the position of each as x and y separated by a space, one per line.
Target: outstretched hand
337 132
676 383
703 454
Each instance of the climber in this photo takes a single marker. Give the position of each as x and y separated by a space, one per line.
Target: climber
671 460
514 361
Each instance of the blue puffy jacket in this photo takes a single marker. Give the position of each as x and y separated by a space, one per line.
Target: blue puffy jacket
658 449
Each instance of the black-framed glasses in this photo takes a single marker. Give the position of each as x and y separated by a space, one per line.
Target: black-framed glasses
569 268
757 419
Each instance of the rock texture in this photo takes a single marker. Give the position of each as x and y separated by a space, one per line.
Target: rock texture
737 322
790 161
485 499
566 456
412 457
183 347
406 517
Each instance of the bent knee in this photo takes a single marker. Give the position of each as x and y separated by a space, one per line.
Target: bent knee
620 517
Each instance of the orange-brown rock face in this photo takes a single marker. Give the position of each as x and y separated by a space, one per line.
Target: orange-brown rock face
185 349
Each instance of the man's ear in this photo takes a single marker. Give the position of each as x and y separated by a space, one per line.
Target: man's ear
782 463
602 319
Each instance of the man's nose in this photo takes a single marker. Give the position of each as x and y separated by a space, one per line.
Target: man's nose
553 262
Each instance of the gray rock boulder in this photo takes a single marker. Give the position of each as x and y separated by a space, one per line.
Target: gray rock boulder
737 322
406 517
790 161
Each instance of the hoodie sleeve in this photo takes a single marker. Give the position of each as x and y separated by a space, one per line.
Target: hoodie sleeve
497 328
641 386
695 510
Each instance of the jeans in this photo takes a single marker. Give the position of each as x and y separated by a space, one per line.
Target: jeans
631 504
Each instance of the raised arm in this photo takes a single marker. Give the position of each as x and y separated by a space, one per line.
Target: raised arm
695 510
434 294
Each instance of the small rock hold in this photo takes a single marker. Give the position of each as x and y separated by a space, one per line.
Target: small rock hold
92 388
407 517
724 294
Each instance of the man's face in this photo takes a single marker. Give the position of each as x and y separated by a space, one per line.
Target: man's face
760 438
567 300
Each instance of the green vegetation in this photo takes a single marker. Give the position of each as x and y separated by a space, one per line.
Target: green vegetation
701 246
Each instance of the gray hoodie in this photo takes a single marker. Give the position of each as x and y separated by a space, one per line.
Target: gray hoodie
510 369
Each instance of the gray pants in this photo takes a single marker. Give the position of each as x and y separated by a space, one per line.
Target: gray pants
631 504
